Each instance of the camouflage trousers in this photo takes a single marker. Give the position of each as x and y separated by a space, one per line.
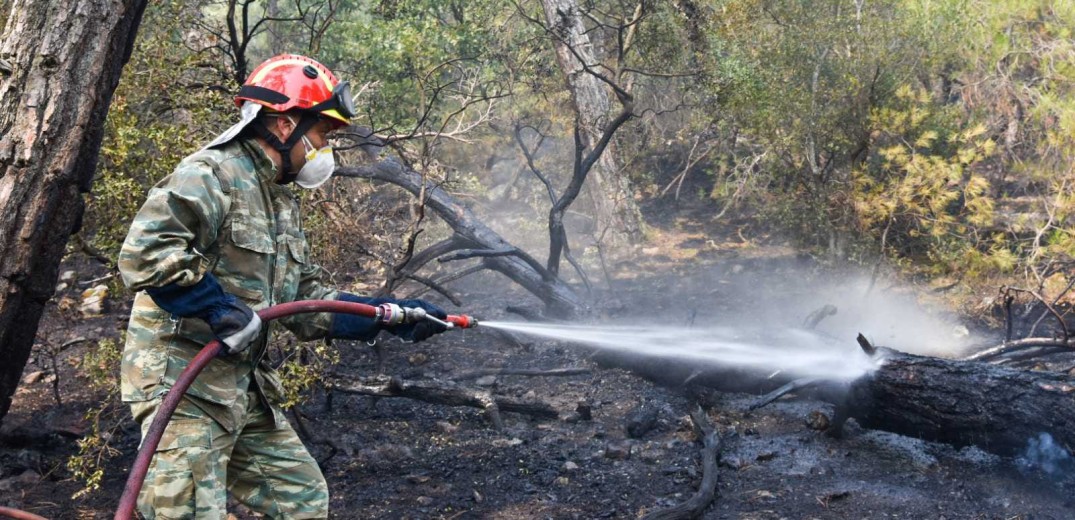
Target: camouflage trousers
264 466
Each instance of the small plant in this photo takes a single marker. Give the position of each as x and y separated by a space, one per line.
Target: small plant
99 365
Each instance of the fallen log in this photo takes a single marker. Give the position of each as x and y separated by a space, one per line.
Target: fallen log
964 403
959 402
443 393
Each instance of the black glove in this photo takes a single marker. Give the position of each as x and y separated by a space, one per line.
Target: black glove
233 323
424 329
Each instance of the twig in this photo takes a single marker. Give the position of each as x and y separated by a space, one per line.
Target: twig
707 490
478 253
435 286
88 283
556 372
1059 318
316 439
814 318
442 392
447 279
1042 317
93 252
793 386
1017 345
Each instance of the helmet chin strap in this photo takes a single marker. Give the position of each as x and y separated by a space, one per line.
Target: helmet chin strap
306 122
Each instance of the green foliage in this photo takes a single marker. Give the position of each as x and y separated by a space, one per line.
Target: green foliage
918 194
304 367
100 366
160 113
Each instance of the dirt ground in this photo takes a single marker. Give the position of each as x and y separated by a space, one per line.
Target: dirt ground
399 458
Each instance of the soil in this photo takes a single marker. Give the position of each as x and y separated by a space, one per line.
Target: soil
399 458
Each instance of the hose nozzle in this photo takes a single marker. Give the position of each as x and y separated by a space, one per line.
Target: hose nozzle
391 314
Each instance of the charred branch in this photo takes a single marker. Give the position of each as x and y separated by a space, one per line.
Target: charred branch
707 490
1018 345
558 297
794 386
556 372
443 393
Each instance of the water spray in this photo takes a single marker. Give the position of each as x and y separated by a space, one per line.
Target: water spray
793 352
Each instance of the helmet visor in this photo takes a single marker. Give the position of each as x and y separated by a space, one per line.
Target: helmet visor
340 101
345 105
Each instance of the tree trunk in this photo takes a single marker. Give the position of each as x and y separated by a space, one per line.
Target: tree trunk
957 402
65 60
611 191
965 403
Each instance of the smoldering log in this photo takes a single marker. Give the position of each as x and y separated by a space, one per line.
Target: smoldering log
965 403
955 401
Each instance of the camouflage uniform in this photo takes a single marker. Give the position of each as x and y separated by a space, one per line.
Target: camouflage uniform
221 212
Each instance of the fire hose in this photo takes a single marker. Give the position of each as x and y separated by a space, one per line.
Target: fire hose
387 314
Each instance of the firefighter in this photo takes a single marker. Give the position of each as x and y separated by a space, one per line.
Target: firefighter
218 239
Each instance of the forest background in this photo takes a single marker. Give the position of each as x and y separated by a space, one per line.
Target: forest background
935 137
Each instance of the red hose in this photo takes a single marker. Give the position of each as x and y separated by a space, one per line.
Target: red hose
19 514
129 499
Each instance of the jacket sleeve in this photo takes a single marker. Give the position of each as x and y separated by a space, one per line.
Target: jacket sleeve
179 220
314 283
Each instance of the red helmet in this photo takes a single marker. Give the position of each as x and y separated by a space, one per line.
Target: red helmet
290 81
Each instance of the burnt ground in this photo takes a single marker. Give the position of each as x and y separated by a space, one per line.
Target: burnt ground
399 458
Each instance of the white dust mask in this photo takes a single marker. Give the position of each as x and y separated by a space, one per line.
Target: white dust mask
318 168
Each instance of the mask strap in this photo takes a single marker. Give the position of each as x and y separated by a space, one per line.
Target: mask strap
306 122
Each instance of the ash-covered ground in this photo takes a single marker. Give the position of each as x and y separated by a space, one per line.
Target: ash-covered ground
400 458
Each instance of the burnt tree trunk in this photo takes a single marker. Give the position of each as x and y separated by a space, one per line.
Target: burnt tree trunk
559 298
63 61
611 191
953 401
965 402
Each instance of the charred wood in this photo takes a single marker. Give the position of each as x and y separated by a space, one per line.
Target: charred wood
556 372
559 298
443 393
964 403
954 401
641 420
707 490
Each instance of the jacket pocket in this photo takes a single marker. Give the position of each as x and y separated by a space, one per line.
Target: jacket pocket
246 234
215 384
297 247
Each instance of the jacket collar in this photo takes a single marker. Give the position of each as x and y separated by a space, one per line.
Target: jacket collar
263 165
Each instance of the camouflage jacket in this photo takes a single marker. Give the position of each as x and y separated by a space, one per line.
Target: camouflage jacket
218 212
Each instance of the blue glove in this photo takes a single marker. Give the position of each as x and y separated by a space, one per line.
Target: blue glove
421 330
351 326
233 323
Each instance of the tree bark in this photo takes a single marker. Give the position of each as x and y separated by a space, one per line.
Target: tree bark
611 191
953 401
65 62
965 403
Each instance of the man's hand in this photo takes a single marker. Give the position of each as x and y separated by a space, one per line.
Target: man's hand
234 324
231 321
421 330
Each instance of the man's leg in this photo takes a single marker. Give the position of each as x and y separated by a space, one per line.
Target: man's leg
187 476
272 473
